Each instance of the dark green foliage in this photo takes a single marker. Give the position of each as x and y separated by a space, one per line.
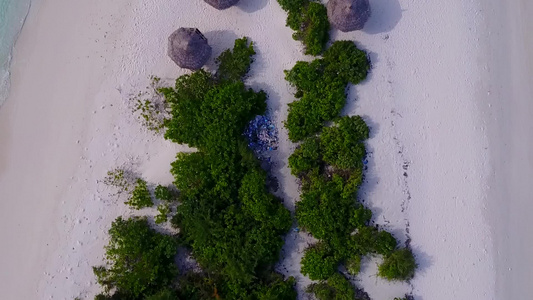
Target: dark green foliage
385 243
360 217
323 211
342 145
140 260
309 20
167 294
399 265
140 196
163 193
314 31
321 86
348 62
318 262
226 216
371 240
185 100
306 157
234 64
337 287
275 288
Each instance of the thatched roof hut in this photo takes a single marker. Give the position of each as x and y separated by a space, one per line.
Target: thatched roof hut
348 15
221 4
188 48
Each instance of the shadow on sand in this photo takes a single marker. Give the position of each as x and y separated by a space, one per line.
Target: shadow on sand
385 16
251 6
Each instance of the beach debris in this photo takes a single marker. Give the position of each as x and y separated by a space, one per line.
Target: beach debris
348 15
188 48
262 135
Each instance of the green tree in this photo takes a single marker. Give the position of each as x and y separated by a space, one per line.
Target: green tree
318 263
140 261
140 196
306 157
399 265
234 64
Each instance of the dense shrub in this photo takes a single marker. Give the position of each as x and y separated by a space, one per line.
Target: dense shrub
342 146
318 263
306 157
337 287
399 265
321 85
309 20
140 196
139 260
322 210
226 216
347 62
234 64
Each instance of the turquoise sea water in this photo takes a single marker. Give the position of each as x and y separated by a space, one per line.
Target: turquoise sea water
12 16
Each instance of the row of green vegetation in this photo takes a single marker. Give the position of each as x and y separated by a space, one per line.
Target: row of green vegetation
329 164
309 20
225 215
321 87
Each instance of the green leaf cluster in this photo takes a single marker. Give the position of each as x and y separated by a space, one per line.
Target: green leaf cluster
321 87
399 265
309 20
140 196
140 261
234 64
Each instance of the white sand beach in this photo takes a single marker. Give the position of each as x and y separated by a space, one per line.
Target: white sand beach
447 103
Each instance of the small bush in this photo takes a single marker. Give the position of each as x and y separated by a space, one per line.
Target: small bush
317 263
234 64
342 145
140 196
347 62
306 157
140 261
163 193
309 20
163 210
399 265
150 107
385 243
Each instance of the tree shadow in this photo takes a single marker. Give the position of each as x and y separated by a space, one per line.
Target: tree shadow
251 6
219 40
424 261
386 14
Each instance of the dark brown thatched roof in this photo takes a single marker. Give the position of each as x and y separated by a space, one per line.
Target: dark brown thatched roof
188 48
221 4
348 15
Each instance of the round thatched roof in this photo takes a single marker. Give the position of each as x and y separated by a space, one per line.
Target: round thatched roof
221 4
348 15
188 48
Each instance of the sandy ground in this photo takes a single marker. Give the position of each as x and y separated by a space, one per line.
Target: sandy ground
68 120
507 108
